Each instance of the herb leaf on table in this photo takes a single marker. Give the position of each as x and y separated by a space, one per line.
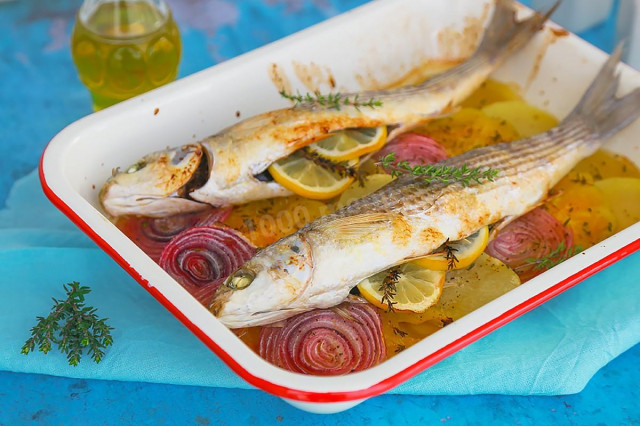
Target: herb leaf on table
71 326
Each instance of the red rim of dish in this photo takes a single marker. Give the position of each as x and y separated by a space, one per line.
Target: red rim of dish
332 397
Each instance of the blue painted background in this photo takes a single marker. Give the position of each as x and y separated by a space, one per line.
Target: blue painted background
40 94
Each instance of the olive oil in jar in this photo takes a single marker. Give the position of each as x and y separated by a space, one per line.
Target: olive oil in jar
124 48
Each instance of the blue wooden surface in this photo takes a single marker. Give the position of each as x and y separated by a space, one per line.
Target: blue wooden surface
40 94
607 400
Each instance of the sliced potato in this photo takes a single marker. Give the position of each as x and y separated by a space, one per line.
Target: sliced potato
585 210
266 221
468 129
601 165
400 334
491 91
465 290
526 119
623 196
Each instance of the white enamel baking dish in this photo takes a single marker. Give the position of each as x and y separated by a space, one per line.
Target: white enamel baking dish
374 44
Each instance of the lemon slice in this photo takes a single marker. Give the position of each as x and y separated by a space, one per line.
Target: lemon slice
308 179
465 290
357 191
466 251
417 288
350 143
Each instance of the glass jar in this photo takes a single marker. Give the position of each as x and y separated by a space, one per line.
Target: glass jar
122 48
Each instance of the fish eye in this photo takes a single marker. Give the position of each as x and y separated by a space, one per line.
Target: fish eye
240 279
139 165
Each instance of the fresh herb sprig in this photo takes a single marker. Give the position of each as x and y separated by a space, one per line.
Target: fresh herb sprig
388 287
554 258
332 100
72 326
438 172
450 255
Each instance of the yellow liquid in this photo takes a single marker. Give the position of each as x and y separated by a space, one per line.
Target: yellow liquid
123 49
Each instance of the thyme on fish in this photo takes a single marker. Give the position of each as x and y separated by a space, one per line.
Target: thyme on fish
449 254
341 168
554 258
332 100
438 172
72 326
388 287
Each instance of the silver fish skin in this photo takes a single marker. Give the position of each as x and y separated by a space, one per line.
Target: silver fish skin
222 169
317 266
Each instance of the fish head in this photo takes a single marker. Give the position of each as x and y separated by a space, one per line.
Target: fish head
268 287
158 184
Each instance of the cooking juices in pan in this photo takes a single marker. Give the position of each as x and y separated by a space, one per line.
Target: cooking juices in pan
394 309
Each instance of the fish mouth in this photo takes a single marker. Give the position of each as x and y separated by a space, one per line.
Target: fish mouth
178 172
198 178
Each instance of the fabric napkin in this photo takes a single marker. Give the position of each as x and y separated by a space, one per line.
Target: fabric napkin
555 349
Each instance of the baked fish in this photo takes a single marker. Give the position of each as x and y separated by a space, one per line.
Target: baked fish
317 266
228 168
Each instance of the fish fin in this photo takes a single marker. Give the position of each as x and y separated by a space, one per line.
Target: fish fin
504 34
358 225
500 225
600 109
344 313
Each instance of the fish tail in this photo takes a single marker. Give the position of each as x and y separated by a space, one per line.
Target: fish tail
599 109
504 34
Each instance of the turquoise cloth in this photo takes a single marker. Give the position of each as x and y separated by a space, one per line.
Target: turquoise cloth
552 350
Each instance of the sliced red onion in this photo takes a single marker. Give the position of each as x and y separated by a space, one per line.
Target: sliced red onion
528 238
415 148
326 342
200 258
153 234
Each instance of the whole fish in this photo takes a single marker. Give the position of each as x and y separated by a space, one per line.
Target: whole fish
228 168
317 266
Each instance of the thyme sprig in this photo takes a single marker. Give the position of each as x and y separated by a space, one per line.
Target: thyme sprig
553 258
341 168
450 255
331 100
438 172
72 326
399 332
388 287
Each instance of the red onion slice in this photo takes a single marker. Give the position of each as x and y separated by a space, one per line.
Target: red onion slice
415 148
326 342
532 236
153 234
200 258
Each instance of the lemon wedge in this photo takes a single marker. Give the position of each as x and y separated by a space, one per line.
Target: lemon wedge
416 289
350 143
465 290
466 251
356 191
303 177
